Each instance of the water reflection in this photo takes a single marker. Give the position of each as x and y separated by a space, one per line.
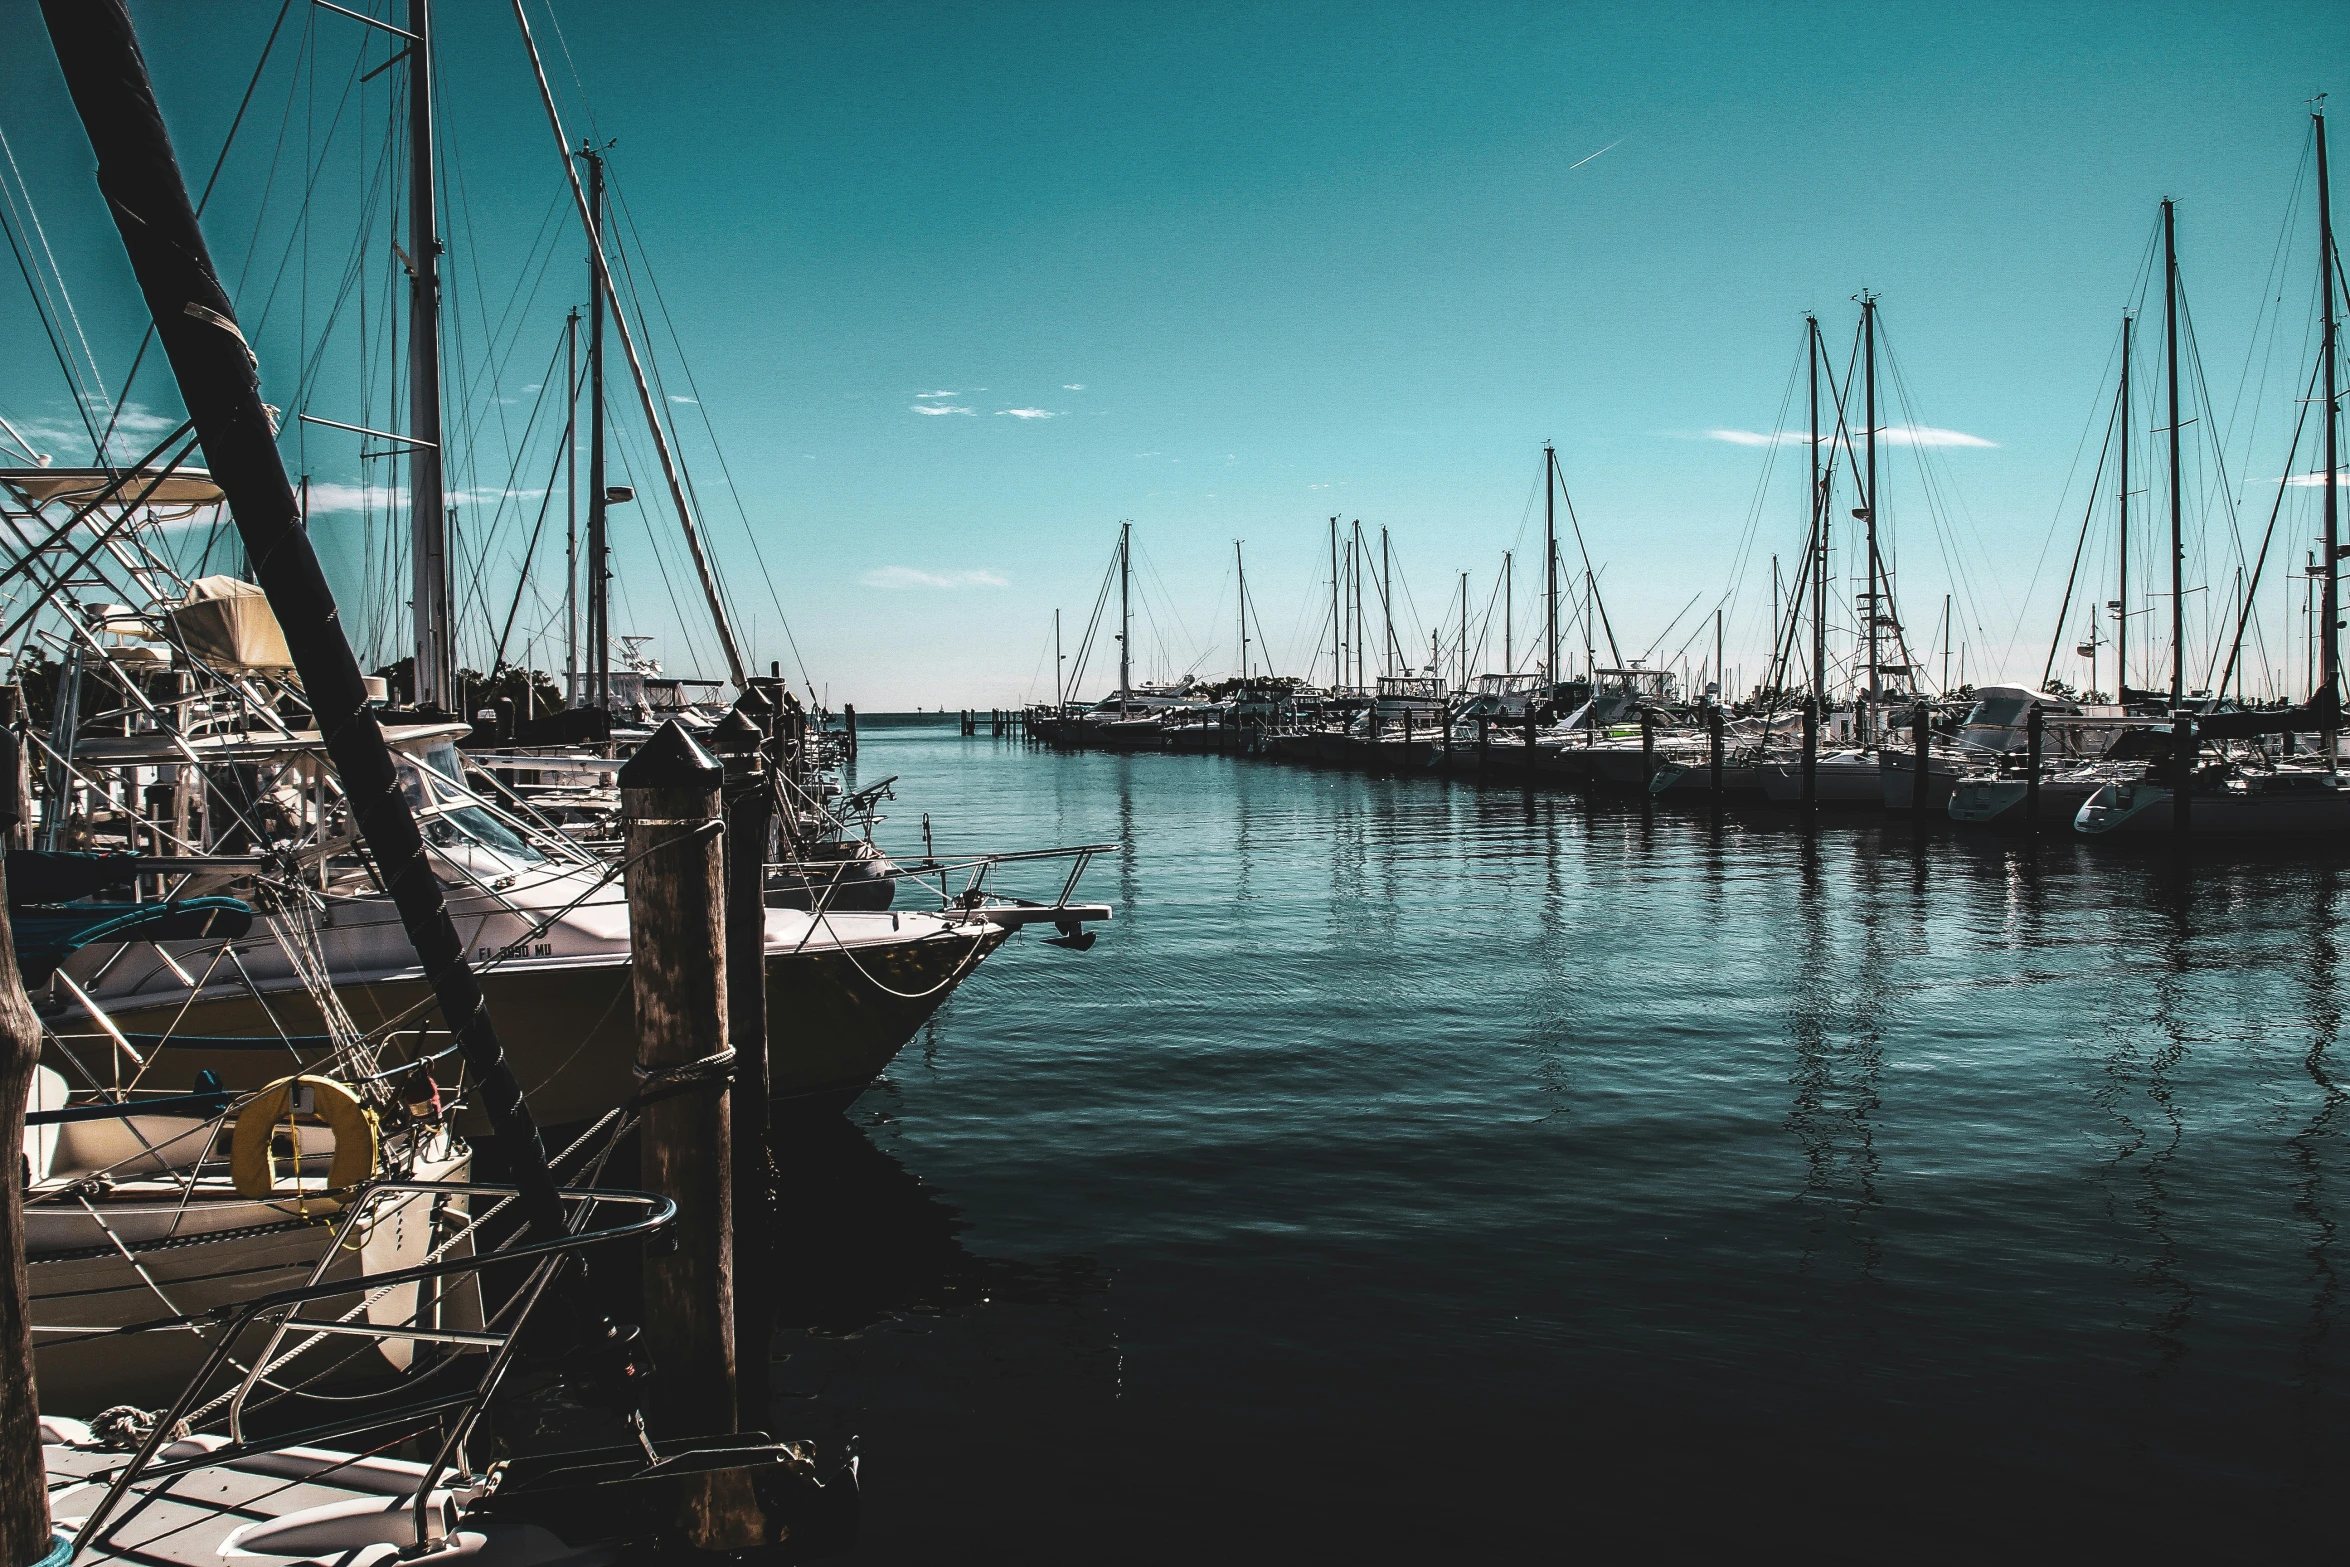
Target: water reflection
2310 1148
861 1240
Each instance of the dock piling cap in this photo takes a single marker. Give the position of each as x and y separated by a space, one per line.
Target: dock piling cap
736 735
672 759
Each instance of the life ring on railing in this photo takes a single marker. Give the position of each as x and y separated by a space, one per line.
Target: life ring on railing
358 1153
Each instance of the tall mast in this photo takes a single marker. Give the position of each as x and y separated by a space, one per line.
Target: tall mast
1388 661
2121 603
2170 332
1868 327
1060 697
1125 613
571 507
2331 672
1354 578
428 517
1240 567
1550 564
1464 685
1819 534
1337 619
1508 582
599 542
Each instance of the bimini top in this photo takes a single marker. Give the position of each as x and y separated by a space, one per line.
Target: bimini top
149 750
180 487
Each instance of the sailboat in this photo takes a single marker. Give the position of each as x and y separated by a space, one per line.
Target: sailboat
2247 794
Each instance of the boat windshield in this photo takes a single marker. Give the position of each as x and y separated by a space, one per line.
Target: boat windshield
449 816
2001 712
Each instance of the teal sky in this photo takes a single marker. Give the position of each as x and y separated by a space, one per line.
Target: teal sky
1227 271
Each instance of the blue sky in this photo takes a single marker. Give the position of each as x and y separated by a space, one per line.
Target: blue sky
1227 271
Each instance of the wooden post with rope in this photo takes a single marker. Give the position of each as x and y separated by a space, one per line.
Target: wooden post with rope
25 1535
750 818
669 794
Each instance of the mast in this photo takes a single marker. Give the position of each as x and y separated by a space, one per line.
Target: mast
1388 660
599 541
1337 618
1946 598
1060 697
1125 614
1464 685
1354 581
1550 564
1868 327
2170 333
2121 603
2331 671
1509 664
1819 535
1241 567
428 517
571 507
737 670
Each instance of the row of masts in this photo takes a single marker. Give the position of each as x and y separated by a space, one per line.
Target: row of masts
587 649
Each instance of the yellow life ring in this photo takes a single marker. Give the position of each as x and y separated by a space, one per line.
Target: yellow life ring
358 1153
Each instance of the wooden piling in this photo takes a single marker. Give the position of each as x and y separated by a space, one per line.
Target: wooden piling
16 773
1484 722
24 1495
1647 749
1530 753
750 819
1713 725
848 713
2034 722
669 794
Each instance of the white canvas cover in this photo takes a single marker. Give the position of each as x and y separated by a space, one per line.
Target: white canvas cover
226 622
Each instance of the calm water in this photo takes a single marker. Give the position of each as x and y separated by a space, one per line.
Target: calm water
1421 1168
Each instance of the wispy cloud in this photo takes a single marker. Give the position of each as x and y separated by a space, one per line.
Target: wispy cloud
941 394
1610 147
1890 435
676 397
1027 413
898 579
2311 481
328 497
1074 386
940 408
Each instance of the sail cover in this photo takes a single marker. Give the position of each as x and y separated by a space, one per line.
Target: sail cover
227 623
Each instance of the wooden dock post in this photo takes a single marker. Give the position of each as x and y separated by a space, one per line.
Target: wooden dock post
1921 742
1484 721
848 713
1713 726
25 1534
2034 722
1530 753
670 794
1647 749
750 831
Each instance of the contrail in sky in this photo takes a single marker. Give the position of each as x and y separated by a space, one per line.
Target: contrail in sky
1610 147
